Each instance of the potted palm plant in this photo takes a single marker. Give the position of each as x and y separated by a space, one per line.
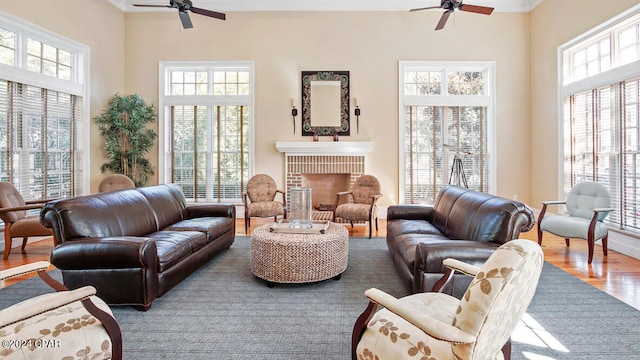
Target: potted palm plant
123 125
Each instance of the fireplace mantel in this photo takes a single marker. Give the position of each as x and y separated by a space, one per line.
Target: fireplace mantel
324 147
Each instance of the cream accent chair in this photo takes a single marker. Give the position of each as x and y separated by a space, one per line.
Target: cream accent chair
438 326
17 223
115 182
259 200
588 204
362 197
64 324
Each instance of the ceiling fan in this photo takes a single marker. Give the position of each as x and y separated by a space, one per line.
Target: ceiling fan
186 5
451 5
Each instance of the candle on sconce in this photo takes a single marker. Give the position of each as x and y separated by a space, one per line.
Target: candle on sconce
355 101
293 102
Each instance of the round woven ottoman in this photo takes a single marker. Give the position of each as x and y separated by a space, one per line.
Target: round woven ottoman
299 258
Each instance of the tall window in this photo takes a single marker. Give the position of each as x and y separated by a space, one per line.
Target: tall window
601 122
41 111
207 128
445 113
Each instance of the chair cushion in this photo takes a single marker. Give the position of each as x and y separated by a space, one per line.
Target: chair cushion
586 196
265 209
388 336
66 332
30 226
261 187
365 187
572 227
355 212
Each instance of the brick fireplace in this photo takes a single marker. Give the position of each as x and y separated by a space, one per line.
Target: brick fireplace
325 167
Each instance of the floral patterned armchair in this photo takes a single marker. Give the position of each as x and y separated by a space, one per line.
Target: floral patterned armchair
259 200
362 206
61 325
438 326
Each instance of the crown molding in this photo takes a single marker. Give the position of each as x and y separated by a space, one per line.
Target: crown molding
325 5
120 4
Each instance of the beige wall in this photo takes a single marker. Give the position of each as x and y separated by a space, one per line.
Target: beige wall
554 23
369 45
94 23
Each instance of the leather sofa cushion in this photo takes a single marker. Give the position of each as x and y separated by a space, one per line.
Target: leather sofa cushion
166 201
399 227
212 226
174 246
474 215
119 213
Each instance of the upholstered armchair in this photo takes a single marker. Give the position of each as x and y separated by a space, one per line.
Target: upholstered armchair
115 182
434 325
362 198
60 325
260 200
17 223
588 204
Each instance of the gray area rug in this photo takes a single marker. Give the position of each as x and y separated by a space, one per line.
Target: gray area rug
223 312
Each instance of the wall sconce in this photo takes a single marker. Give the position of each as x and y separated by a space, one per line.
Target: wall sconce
294 113
357 112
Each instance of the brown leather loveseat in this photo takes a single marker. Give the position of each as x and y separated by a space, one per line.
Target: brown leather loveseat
134 245
463 224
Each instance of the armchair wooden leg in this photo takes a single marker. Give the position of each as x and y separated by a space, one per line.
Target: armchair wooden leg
247 223
360 326
605 245
506 350
567 241
539 236
7 242
591 242
24 242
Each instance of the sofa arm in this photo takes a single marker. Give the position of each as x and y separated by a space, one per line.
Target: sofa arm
430 258
118 252
429 261
409 212
210 210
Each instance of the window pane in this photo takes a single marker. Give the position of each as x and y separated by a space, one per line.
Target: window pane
34 48
466 83
49 53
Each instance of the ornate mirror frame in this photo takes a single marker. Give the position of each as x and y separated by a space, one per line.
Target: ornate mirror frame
343 78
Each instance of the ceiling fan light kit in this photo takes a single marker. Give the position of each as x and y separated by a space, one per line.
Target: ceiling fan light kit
452 5
184 6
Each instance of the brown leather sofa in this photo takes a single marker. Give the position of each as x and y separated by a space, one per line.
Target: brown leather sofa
134 245
463 224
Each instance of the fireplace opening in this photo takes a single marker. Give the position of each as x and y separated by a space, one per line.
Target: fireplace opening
324 188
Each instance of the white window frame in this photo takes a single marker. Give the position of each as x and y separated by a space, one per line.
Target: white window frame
567 86
78 84
209 100
487 100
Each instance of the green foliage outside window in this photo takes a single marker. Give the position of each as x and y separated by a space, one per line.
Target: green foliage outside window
123 125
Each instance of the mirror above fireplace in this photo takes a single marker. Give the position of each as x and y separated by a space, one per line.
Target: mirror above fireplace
325 103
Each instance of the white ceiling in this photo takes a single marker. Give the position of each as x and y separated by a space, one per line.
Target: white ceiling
325 5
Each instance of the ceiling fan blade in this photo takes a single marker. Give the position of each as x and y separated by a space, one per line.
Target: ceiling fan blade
443 19
427 8
205 12
186 20
476 9
160 6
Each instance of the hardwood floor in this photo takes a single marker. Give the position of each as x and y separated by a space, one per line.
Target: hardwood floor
616 274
